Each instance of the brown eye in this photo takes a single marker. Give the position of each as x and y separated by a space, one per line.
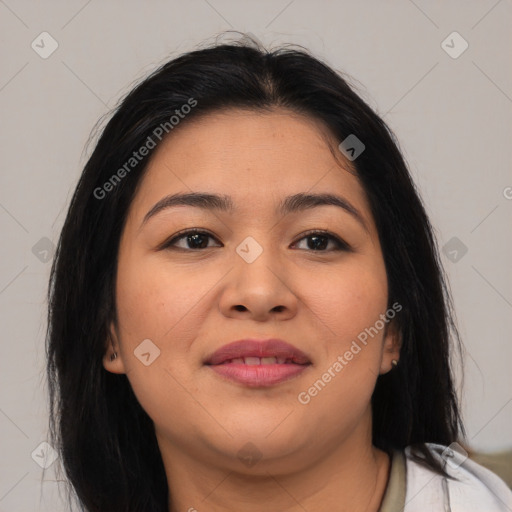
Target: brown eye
194 240
319 240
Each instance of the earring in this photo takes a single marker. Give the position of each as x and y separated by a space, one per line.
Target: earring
113 356
394 362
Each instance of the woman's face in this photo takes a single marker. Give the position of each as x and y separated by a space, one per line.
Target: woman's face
256 273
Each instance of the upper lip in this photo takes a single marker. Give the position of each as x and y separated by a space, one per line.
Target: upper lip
257 348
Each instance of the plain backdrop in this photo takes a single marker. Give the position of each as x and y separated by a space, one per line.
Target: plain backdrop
450 107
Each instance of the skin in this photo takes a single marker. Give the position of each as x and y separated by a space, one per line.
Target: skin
314 457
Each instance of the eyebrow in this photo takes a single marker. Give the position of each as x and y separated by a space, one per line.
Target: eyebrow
291 204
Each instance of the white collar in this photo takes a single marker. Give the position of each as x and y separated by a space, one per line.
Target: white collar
476 489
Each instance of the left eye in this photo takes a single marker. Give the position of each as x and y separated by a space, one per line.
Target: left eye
318 237
199 240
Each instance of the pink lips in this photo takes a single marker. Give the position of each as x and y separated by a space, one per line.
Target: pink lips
257 363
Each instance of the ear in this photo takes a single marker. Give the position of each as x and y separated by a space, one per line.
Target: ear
113 347
392 343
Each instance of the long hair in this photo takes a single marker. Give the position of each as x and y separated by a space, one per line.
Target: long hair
106 440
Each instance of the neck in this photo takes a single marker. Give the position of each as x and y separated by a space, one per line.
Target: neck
351 477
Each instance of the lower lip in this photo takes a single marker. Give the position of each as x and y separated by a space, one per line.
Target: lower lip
259 374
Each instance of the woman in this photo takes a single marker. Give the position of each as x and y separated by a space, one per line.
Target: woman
247 310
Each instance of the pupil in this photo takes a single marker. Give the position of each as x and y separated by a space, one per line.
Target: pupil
316 244
194 237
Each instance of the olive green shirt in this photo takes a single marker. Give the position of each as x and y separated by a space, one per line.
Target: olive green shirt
394 496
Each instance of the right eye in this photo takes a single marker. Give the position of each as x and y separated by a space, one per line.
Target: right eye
192 237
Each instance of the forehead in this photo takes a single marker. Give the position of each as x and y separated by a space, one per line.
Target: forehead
279 136
254 157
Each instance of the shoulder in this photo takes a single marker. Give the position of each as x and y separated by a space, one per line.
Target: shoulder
473 487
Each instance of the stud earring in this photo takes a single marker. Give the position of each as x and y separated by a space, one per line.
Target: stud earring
113 356
394 362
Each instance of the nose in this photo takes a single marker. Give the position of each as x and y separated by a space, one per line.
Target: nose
260 290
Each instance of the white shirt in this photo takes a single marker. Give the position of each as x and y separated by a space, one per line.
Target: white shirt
477 489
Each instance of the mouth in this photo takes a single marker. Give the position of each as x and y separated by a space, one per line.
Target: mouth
258 363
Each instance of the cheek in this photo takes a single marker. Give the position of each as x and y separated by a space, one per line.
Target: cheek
350 299
157 301
350 304
155 305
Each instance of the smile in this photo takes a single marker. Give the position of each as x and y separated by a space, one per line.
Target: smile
258 363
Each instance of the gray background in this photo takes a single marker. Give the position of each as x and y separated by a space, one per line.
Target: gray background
452 117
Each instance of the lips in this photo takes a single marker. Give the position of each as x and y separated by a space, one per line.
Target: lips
253 352
258 363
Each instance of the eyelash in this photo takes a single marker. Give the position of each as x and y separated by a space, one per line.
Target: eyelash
341 244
